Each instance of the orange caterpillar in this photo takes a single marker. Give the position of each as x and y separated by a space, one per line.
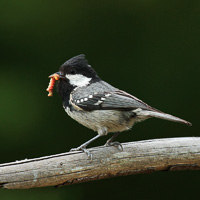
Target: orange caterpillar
53 79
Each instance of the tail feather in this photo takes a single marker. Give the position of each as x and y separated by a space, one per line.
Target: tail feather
162 115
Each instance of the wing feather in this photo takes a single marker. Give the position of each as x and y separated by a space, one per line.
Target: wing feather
116 100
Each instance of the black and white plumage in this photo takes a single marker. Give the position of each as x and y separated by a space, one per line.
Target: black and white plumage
98 105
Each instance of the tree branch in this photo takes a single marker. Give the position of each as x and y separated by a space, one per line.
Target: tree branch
74 167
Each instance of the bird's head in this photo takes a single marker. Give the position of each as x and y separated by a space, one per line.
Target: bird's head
75 72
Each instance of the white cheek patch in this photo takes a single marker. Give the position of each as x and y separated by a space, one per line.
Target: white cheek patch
78 80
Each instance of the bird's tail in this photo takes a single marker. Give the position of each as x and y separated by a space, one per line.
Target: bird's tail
162 115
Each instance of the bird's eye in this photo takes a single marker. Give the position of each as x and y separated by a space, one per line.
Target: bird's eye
72 71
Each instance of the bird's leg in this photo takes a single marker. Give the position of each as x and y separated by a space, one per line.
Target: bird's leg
111 143
84 145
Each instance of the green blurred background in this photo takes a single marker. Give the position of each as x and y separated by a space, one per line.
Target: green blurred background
148 48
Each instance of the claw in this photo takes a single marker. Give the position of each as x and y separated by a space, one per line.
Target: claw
89 154
115 144
83 149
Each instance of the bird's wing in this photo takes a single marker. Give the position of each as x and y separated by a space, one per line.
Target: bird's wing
115 100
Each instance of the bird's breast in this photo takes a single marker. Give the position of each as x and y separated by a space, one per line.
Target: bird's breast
112 120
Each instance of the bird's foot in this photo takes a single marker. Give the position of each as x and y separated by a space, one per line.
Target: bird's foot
115 144
83 149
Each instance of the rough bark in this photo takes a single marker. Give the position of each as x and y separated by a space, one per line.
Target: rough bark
75 167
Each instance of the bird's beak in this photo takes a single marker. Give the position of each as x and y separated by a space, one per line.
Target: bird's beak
56 76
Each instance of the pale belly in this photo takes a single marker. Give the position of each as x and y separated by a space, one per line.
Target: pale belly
104 121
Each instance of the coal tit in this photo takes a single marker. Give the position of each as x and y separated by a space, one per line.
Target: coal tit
98 105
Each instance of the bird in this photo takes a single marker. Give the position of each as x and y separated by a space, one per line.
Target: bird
98 105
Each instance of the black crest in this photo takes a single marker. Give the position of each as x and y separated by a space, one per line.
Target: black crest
76 61
75 65
79 65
